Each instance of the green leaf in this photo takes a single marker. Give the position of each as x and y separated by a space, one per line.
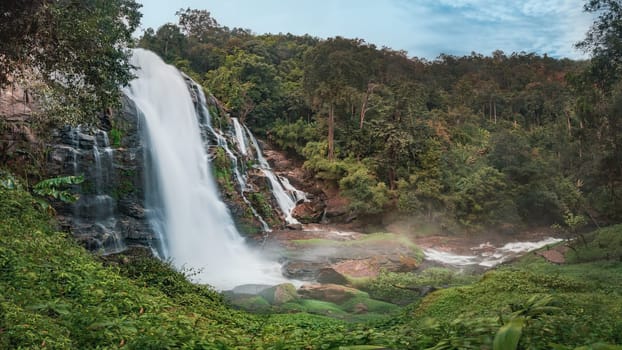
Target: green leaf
508 336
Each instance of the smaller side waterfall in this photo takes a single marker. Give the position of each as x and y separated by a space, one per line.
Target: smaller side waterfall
94 213
239 136
221 141
285 194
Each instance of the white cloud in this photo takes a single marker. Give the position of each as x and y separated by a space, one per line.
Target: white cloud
424 28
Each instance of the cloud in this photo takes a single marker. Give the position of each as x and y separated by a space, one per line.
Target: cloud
461 26
424 28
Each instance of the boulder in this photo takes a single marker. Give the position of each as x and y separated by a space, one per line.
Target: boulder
309 212
360 308
280 294
302 270
368 267
297 227
552 256
336 207
250 289
329 275
333 293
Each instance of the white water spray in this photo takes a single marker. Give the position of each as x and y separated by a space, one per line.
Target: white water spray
199 229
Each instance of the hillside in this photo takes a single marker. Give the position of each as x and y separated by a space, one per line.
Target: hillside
55 295
282 191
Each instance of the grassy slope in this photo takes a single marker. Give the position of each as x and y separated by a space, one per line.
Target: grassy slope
586 304
55 295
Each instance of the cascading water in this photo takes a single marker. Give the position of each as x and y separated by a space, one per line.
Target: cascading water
199 229
221 141
285 194
239 136
94 212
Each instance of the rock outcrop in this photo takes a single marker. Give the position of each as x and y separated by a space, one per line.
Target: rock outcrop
328 292
110 212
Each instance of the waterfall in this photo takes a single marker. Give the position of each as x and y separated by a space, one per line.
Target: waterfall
221 141
199 230
94 212
239 136
285 194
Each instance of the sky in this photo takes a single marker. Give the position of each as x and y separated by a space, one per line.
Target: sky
423 28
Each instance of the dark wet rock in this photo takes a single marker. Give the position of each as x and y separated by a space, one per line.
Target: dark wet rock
111 205
131 208
309 212
329 275
302 270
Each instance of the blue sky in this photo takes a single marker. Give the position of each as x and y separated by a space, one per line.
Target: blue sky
423 28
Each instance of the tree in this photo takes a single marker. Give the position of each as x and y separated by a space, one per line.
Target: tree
169 42
197 23
600 104
78 48
334 69
246 83
604 41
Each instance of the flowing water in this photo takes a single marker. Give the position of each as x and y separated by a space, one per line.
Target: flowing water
285 194
486 254
239 136
199 230
94 212
221 141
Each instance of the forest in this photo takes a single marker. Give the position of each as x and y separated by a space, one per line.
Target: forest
489 142
469 142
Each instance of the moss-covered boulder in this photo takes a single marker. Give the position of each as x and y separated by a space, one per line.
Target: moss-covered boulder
280 294
333 293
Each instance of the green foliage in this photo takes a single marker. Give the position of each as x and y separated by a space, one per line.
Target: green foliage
508 336
222 171
245 83
115 137
481 197
262 205
605 244
51 188
366 194
293 137
406 288
39 37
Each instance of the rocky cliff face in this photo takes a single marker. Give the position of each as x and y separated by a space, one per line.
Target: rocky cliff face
20 149
110 211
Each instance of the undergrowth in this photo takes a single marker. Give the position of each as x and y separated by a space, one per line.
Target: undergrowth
56 295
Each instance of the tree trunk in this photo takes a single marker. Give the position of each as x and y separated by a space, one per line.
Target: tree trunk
494 106
331 132
364 109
